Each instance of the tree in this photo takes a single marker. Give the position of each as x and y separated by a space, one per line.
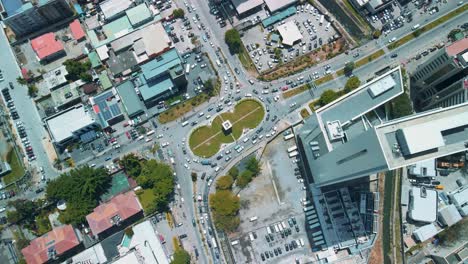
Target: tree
233 172
178 13
181 257
328 96
233 40
158 177
278 53
401 106
376 34
417 32
194 176
77 70
352 83
209 87
32 90
253 165
453 34
244 179
224 183
225 206
25 211
21 80
348 68
131 165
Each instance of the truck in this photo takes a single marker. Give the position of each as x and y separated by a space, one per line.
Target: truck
187 68
253 218
184 123
213 240
149 133
218 63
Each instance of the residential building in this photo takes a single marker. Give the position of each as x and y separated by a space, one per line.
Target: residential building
114 215
161 78
459 198
67 96
456 254
69 125
341 142
26 17
77 31
47 48
442 80
106 107
423 205
449 215
55 78
112 9
53 246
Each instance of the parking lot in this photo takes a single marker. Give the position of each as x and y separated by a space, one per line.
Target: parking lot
277 231
316 31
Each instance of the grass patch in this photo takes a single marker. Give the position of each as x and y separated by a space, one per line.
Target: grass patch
17 170
428 27
357 16
324 79
205 141
246 61
147 198
295 91
181 109
387 215
305 113
369 58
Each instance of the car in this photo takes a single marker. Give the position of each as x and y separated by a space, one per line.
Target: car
39 190
297 229
11 85
3 209
262 256
394 55
276 252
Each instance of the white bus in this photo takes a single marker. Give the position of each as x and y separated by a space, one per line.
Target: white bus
149 133
321 20
288 137
187 68
291 149
185 123
293 154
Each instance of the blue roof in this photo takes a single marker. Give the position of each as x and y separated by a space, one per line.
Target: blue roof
12 6
129 98
158 87
160 65
278 16
106 107
78 9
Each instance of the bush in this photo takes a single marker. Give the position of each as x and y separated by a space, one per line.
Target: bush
352 83
178 13
348 68
194 176
401 106
233 172
327 97
376 34
181 257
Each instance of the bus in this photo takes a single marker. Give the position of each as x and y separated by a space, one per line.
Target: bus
291 149
185 123
288 137
293 154
187 68
321 20
149 133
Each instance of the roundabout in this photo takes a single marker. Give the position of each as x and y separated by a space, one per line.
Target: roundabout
206 141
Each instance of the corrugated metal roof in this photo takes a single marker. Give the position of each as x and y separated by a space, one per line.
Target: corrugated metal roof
130 99
138 14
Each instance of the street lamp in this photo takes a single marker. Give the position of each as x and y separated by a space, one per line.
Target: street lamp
152 252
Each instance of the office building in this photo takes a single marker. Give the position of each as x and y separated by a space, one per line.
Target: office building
342 142
47 48
442 80
456 254
290 33
26 17
106 107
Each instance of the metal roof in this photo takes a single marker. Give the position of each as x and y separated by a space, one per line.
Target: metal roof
423 205
289 32
111 8
449 215
63 125
138 14
274 5
243 6
425 232
130 99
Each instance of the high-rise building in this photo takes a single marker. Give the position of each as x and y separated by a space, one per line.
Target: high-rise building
25 17
442 80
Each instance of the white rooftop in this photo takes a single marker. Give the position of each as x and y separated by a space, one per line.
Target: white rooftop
274 5
459 197
103 52
111 8
426 168
243 6
378 88
425 232
289 32
55 77
449 215
423 205
93 254
65 124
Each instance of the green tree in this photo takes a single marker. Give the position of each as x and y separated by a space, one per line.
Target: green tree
32 90
348 68
178 13
131 165
253 165
181 257
451 35
233 40
401 106
158 177
352 83
417 32
233 172
376 34
278 53
209 87
194 176
21 80
244 179
225 206
77 70
224 182
25 211
328 96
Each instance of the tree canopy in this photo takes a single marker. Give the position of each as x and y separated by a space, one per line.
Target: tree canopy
328 96
233 172
77 70
233 40
224 182
348 68
244 178
253 165
81 188
181 257
225 206
178 13
401 106
131 165
209 87
352 83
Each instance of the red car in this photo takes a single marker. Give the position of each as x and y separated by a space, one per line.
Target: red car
127 134
284 88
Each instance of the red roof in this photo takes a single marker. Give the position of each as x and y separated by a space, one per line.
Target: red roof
77 30
124 205
61 239
457 47
46 45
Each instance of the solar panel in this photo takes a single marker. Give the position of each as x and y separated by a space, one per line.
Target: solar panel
115 109
106 115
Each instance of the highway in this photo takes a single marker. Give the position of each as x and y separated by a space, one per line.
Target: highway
177 135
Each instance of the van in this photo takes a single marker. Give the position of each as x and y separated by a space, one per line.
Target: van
140 137
149 133
218 63
301 241
235 242
184 123
253 218
415 27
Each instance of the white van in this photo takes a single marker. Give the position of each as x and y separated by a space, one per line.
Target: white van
253 218
149 133
140 137
415 27
235 242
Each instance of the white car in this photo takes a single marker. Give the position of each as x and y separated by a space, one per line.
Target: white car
217 169
3 209
276 98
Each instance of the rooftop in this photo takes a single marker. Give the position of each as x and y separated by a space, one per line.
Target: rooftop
46 45
12 6
274 5
243 6
108 214
129 98
63 125
53 243
56 77
289 32
105 81
76 30
457 47
106 107
425 232
423 205
111 8
138 14
449 215
66 94
94 254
